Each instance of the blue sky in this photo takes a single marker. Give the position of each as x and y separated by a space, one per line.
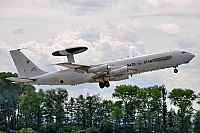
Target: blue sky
111 29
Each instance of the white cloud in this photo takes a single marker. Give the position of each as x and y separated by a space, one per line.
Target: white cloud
6 61
82 8
198 31
102 49
171 28
171 2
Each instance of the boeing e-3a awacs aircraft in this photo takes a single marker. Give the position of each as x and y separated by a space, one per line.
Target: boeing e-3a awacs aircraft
102 73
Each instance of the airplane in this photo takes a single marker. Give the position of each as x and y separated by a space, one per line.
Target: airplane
101 73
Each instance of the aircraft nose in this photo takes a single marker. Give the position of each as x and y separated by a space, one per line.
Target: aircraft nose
192 55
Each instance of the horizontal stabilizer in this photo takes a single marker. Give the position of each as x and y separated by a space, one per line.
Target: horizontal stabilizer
19 80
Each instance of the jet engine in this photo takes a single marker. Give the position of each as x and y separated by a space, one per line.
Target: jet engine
118 78
119 71
101 68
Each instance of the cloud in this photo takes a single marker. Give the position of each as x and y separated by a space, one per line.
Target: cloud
162 3
102 47
87 3
87 6
170 28
19 31
6 61
154 2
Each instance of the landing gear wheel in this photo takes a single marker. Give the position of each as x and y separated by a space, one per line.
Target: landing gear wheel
175 70
107 84
101 85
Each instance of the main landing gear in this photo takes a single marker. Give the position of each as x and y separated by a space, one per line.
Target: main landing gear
104 84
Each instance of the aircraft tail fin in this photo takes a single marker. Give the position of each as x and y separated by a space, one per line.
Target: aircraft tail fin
25 67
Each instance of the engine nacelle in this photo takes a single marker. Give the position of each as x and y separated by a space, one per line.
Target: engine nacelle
118 78
119 71
102 68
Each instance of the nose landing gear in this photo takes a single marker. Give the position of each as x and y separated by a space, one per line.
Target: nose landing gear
104 84
175 70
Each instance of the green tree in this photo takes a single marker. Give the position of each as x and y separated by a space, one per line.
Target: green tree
54 105
92 107
104 116
197 122
198 101
150 108
27 130
61 98
49 106
39 110
80 111
9 95
2 121
128 95
30 105
117 116
183 99
71 109
136 110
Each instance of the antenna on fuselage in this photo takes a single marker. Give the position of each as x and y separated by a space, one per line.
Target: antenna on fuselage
69 52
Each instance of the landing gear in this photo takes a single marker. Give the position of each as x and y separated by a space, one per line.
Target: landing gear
104 84
101 85
107 84
175 70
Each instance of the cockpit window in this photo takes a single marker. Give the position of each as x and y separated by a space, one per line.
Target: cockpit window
183 52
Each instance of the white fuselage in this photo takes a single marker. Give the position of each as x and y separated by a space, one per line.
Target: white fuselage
141 63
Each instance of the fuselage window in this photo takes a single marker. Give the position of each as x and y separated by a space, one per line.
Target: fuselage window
162 58
183 52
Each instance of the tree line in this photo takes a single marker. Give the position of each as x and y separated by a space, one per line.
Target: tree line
136 110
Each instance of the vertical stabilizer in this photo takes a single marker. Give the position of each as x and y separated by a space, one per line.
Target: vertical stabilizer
25 67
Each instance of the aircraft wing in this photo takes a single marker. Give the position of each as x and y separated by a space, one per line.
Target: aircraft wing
101 70
19 80
72 66
78 68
